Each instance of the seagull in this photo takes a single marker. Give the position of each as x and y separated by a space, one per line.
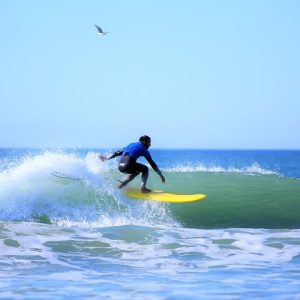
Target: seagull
100 31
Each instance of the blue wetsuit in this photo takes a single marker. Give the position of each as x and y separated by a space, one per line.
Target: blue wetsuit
128 164
136 150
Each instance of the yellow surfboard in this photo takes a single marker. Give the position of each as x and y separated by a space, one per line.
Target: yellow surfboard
162 196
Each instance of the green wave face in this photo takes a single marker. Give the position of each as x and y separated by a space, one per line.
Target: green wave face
237 200
233 201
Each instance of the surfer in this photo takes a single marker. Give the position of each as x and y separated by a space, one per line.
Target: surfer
128 164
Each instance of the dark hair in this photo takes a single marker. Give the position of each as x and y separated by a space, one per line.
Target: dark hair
145 138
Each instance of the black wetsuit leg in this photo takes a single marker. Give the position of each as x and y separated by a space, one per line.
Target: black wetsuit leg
129 166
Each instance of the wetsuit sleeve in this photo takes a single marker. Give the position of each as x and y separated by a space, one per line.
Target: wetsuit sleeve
115 154
153 165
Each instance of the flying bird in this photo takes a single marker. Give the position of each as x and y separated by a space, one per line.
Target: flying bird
100 31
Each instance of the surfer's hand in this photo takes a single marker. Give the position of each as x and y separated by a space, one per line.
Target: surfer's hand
162 178
102 158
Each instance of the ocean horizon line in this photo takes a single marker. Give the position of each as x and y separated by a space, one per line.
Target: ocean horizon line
152 148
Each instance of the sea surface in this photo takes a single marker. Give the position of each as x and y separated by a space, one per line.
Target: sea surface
67 232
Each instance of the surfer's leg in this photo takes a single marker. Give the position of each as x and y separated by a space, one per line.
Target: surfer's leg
127 180
133 169
145 173
128 167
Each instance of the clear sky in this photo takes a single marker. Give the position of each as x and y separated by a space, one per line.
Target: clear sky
191 74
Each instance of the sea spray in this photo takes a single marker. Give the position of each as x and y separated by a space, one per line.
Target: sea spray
30 191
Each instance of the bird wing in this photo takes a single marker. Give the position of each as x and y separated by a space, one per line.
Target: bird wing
99 29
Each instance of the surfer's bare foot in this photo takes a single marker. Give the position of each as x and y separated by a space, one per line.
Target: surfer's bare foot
145 190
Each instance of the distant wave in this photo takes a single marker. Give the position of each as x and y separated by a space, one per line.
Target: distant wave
253 169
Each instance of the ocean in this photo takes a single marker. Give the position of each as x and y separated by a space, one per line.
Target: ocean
76 236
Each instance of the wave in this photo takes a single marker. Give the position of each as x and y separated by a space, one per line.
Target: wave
253 169
30 192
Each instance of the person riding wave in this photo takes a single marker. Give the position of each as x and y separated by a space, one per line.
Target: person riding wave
128 164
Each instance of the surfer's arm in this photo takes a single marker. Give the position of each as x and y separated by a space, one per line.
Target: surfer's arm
155 168
110 156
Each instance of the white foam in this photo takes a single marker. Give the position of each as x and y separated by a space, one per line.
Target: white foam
41 166
178 262
29 190
167 250
253 169
31 183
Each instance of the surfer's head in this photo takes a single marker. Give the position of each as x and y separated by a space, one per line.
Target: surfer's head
146 140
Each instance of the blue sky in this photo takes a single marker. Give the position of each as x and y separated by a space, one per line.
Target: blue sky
191 74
